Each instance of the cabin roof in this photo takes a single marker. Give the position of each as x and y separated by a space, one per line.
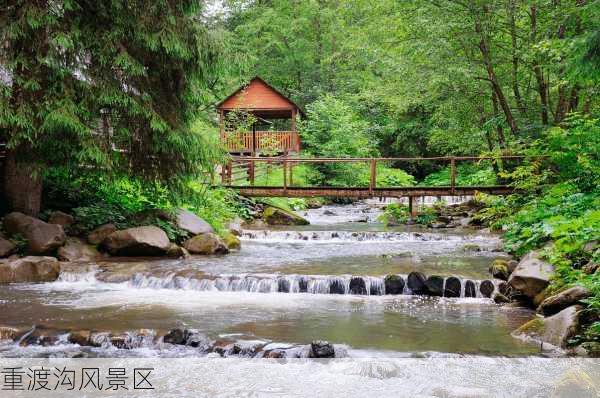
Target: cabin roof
260 98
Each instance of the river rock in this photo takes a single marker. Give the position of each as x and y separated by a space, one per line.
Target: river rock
321 349
470 289
283 285
394 284
416 282
437 225
235 226
562 300
486 288
336 287
590 267
60 218
8 333
99 234
177 251
303 285
6 247
175 336
512 265
555 330
232 241
42 238
75 249
357 286
499 298
499 269
81 337
191 223
435 285
208 243
452 287
277 216
30 269
139 241
532 275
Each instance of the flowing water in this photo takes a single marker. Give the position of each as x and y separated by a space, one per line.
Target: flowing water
289 286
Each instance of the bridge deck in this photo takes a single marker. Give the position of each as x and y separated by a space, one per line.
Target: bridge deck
344 192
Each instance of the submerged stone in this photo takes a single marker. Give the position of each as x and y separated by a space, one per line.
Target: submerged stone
283 285
435 285
358 286
336 287
394 284
470 290
486 288
321 349
416 282
452 287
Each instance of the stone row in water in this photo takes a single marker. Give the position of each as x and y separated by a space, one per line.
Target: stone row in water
416 283
189 339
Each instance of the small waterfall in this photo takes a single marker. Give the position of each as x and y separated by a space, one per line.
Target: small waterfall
311 284
358 236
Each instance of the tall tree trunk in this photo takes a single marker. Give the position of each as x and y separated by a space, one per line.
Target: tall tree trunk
574 100
499 129
537 70
22 185
487 60
515 58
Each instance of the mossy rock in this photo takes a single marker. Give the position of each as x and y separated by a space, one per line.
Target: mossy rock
471 247
232 241
534 326
499 269
276 216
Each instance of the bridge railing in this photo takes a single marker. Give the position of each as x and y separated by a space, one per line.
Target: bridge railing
366 173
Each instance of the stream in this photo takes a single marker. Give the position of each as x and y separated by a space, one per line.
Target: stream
285 288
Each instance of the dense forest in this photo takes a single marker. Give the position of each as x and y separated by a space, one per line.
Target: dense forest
386 78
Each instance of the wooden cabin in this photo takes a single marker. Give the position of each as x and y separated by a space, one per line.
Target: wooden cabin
273 127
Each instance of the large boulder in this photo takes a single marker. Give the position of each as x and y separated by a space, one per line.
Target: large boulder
562 300
30 269
42 238
556 330
357 286
191 223
75 249
99 234
139 241
208 243
452 287
60 218
532 275
6 247
277 216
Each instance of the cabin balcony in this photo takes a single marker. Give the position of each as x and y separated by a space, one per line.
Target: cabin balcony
266 142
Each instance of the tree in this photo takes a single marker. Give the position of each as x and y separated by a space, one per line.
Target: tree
84 75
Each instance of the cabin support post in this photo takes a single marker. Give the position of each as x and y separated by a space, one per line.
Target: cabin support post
251 172
285 176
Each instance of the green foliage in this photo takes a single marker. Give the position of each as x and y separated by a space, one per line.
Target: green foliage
20 243
466 175
397 213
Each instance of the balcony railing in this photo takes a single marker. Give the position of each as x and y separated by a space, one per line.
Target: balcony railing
261 141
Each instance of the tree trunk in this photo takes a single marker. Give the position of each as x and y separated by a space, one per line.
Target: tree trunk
515 58
22 185
537 70
499 129
487 61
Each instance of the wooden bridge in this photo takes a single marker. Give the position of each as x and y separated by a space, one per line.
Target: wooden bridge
242 175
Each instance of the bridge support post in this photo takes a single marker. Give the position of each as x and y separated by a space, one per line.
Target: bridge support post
373 180
285 183
413 207
251 172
